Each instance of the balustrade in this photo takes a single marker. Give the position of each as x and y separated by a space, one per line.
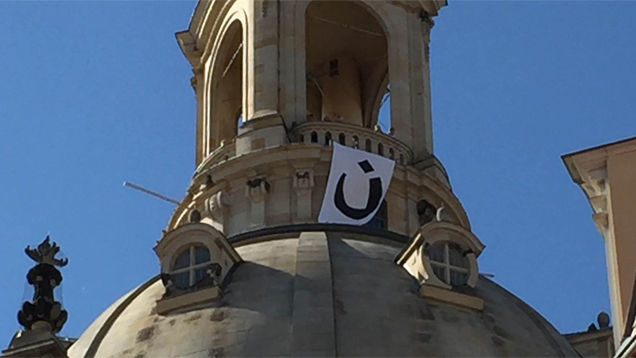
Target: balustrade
324 133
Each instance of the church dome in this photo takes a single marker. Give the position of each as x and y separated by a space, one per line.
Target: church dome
320 294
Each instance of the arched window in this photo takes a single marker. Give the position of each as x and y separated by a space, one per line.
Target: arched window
190 266
380 149
240 121
368 146
328 138
380 220
342 139
356 142
195 216
449 263
314 137
384 111
391 153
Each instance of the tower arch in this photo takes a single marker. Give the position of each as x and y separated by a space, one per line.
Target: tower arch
346 60
226 85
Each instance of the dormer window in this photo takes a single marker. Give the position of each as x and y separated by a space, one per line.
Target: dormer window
449 263
190 267
195 261
442 256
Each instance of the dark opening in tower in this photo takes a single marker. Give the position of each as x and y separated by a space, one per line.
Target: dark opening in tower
346 63
227 91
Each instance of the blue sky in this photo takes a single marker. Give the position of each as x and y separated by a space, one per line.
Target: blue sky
95 93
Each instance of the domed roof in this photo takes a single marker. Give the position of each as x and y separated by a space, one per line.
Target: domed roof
321 294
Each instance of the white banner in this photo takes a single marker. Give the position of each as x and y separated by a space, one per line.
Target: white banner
358 182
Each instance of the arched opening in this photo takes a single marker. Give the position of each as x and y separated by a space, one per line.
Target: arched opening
328 138
226 104
383 115
346 62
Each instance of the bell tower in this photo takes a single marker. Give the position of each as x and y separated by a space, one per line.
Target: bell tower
277 82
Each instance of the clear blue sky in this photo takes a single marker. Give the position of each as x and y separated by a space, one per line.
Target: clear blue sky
95 93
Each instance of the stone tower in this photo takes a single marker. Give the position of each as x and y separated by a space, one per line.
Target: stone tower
247 269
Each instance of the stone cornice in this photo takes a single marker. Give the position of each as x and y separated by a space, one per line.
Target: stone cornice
588 168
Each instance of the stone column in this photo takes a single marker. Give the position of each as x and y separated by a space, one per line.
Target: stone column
264 81
419 55
197 82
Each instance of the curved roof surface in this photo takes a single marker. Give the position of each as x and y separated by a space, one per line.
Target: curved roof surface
321 294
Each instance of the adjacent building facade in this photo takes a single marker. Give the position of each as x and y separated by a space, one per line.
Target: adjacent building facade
607 175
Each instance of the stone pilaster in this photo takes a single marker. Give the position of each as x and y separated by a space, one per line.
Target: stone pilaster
256 190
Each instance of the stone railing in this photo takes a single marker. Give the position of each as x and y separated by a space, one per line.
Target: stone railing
324 133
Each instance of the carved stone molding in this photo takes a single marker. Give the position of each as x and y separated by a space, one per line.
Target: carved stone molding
602 222
303 183
217 203
256 189
304 179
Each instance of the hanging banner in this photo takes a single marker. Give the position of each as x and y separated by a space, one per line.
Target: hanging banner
357 184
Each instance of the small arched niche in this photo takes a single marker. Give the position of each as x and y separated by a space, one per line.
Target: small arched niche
346 62
226 102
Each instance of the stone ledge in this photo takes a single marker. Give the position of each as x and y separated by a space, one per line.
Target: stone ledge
452 297
169 304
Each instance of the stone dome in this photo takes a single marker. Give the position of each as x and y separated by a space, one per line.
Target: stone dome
320 293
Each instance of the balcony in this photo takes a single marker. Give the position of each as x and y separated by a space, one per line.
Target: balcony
324 133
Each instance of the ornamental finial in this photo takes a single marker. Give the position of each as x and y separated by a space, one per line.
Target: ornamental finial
45 253
44 310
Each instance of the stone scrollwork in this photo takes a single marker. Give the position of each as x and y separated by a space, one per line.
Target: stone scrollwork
217 203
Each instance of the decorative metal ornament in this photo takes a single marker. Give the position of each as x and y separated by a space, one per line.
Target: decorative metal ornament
43 310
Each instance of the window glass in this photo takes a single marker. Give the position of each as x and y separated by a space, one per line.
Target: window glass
201 255
380 219
436 253
440 272
458 278
199 274
181 280
456 257
182 261
448 263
